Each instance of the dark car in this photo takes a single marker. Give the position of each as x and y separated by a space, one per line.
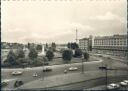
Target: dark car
47 69
18 83
46 63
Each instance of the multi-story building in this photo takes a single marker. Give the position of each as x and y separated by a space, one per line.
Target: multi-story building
114 45
85 44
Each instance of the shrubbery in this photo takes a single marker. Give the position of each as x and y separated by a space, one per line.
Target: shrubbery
67 55
49 55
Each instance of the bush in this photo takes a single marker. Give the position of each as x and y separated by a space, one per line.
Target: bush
67 55
78 53
11 58
33 53
49 55
20 53
86 56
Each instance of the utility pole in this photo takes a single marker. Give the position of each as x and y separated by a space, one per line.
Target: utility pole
43 73
82 66
76 35
127 42
127 38
106 75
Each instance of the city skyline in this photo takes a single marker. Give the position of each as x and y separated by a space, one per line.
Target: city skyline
57 21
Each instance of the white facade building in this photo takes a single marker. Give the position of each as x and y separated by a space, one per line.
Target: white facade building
115 44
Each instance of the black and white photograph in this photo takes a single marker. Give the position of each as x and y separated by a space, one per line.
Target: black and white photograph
64 45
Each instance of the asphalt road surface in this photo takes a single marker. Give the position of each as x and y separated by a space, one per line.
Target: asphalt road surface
59 69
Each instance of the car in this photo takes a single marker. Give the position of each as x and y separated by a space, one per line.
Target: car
18 83
124 83
47 69
108 57
113 86
73 68
100 56
46 63
65 71
17 73
4 83
35 75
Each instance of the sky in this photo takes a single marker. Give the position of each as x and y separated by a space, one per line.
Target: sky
56 21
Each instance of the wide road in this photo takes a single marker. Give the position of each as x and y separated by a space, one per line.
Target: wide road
59 69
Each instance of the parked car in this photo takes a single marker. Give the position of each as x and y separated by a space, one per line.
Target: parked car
73 68
113 86
46 63
17 73
47 69
35 75
4 83
100 56
124 83
108 57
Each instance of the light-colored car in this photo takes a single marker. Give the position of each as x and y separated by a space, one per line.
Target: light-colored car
124 83
4 83
113 86
17 73
35 75
73 68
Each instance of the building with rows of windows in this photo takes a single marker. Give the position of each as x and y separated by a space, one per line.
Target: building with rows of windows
85 44
115 45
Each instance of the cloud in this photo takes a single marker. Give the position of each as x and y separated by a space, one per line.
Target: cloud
108 17
64 32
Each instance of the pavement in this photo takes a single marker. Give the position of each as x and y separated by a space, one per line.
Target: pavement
59 70
65 79
27 77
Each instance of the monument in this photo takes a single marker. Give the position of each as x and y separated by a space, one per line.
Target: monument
42 53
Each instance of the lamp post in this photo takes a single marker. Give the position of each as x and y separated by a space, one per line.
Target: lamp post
82 66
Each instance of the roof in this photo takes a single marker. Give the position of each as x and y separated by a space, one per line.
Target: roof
110 37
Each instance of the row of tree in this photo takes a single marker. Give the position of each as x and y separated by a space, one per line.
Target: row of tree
19 58
68 54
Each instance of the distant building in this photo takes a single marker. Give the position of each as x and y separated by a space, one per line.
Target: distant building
61 46
115 45
85 44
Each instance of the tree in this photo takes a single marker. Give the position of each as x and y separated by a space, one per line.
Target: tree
49 55
53 46
39 47
20 53
67 55
33 54
28 45
86 56
11 58
20 56
72 45
69 45
78 53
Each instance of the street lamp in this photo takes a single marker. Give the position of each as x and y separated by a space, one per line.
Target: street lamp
106 73
82 66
